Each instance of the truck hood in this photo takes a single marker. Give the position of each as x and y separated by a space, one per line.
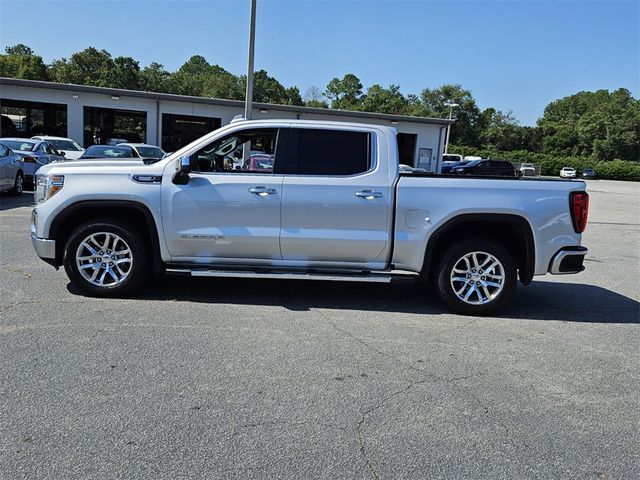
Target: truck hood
102 166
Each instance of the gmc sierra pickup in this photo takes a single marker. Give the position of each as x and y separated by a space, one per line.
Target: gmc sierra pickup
305 200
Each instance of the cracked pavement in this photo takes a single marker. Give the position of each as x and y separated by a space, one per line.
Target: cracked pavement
286 380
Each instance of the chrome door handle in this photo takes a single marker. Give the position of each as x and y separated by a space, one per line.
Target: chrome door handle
368 194
263 191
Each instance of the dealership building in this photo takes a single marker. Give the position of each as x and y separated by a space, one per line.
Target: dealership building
92 115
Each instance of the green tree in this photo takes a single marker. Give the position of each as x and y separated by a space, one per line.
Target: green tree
222 84
19 50
125 73
88 67
191 77
198 77
267 89
345 93
603 124
431 103
154 78
293 96
499 129
385 100
21 62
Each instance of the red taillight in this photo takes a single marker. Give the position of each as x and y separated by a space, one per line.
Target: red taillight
29 159
579 202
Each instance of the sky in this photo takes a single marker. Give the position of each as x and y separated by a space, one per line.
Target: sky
512 55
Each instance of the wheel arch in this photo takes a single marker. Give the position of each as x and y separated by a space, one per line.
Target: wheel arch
130 211
511 230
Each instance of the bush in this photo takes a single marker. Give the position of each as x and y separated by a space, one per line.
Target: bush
551 164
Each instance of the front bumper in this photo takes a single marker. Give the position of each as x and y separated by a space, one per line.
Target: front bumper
568 260
45 248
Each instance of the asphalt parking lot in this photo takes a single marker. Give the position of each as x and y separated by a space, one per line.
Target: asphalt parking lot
281 379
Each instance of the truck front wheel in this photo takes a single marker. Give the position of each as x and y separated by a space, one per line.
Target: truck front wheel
476 277
105 258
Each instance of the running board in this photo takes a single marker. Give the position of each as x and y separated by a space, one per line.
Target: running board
386 276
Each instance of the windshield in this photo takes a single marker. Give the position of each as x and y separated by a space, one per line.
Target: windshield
150 152
18 145
68 145
107 151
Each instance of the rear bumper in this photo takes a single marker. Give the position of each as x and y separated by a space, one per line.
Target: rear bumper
568 260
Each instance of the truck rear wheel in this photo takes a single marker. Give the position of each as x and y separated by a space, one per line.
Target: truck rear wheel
476 277
105 258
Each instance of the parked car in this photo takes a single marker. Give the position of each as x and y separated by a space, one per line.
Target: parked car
11 171
589 173
492 168
338 209
69 147
35 154
145 150
409 169
447 166
528 170
568 172
259 162
116 141
451 157
108 151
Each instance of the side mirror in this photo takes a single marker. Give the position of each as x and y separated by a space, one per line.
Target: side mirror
185 164
183 169
62 154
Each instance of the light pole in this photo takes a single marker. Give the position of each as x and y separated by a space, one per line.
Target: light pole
248 104
451 105
248 99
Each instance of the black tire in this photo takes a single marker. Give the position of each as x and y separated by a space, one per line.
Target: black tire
454 257
138 267
18 184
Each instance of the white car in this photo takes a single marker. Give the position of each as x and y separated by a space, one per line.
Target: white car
451 157
70 148
568 172
145 150
528 170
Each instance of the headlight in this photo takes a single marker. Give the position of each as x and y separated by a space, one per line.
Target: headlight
47 186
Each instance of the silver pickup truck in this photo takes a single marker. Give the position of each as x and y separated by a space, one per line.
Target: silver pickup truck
304 200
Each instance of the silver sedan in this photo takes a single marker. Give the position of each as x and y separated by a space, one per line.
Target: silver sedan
11 171
35 153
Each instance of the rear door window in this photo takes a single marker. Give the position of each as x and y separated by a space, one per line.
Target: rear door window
328 152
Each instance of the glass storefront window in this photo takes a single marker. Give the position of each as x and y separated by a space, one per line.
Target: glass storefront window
180 130
24 119
103 126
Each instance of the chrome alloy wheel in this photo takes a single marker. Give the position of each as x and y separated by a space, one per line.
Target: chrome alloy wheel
477 278
19 186
104 259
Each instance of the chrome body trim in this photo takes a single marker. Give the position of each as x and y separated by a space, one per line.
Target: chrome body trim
556 261
354 276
